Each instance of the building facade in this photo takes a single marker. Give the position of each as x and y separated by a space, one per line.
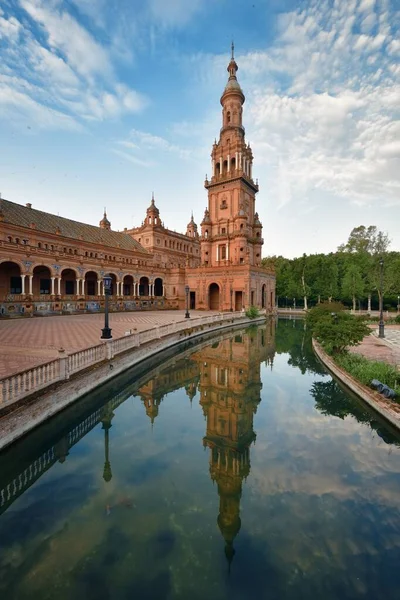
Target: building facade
52 265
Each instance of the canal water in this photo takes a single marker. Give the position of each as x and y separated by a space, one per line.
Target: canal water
236 469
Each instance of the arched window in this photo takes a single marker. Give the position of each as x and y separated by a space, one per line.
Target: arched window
228 117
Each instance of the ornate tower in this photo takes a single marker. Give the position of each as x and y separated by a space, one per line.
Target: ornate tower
152 214
105 223
191 229
232 232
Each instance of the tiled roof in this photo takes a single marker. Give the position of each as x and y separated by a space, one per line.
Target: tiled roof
23 216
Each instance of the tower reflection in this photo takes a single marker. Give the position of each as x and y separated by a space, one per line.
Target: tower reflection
230 387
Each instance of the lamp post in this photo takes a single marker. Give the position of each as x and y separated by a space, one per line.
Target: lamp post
106 331
398 303
294 303
187 314
231 292
381 321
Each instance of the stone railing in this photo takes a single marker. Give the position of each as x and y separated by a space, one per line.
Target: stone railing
21 385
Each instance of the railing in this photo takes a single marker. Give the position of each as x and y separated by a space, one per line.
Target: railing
30 381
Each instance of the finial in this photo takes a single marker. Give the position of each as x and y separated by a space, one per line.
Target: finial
105 213
152 197
233 50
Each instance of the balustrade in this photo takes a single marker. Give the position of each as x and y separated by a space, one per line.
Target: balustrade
27 382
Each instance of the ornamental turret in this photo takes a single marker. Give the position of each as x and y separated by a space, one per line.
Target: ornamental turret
152 214
104 223
191 229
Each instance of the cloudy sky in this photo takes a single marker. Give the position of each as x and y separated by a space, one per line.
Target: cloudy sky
104 101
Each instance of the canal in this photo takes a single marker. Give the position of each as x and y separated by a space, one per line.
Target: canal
235 469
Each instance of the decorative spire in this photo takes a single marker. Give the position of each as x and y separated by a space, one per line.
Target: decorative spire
105 223
233 51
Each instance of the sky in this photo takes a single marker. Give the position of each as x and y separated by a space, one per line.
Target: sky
103 102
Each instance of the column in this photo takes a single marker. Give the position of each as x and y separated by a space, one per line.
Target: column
52 285
236 160
83 287
227 251
78 286
163 290
251 170
30 284
59 286
22 284
229 163
117 286
240 160
213 167
221 162
217 253
102 289
151 289
98 287
244 165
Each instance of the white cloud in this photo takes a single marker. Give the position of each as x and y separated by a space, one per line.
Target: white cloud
70 74
174 13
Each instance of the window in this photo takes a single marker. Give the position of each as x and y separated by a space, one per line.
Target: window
15 285
241 260
228 117
223 230
223 252
39 243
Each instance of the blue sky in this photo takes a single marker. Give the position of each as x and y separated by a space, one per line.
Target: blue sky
104 101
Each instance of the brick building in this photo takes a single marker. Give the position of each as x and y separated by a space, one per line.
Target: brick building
50 264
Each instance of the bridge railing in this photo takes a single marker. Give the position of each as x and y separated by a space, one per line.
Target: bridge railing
21 385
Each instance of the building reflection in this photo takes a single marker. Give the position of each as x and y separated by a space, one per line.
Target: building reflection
230 392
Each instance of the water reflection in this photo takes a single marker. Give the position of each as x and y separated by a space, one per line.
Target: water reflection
114 499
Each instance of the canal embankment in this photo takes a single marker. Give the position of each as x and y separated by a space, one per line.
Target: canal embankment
29 398
388 409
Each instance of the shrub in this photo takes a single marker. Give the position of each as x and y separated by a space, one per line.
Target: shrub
365 370
322 310
252 312
397 319
339 331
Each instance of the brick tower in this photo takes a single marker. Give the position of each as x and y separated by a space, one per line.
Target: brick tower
231 276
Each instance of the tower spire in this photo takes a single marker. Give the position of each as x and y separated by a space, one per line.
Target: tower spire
233 51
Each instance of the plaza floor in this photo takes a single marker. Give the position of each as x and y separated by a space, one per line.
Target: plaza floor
25 343
385 349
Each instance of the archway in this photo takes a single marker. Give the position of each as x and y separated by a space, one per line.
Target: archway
41 283
263 295
213 293
68 282
144 286
10 279
91 288
158 286
113 287
127 286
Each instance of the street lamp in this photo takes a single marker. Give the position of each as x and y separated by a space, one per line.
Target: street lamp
106 331
187 314
381 321
231 291
294 303
398 303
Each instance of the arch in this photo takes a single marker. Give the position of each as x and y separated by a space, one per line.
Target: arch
213 296
225 166
10 278
158 286
68 282
228 116
91 278
217 169
41 283
144 286
263 295
127 285
233 164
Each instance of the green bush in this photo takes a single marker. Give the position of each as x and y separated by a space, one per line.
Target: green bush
397 319
365 370
321 310
252 312
338 332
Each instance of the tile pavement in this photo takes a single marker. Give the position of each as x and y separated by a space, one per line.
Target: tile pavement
25 343
386 349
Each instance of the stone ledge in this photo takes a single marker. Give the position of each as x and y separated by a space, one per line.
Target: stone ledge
385 408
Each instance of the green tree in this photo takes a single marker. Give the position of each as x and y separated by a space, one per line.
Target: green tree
353 284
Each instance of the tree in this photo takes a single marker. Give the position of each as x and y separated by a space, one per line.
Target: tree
338 332
353 284
366 239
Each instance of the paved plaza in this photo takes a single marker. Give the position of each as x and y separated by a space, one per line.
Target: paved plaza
29 342
386 349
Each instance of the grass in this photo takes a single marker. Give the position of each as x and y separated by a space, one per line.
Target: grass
365 370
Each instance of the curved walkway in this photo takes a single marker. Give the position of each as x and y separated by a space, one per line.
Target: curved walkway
385 349
26 343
